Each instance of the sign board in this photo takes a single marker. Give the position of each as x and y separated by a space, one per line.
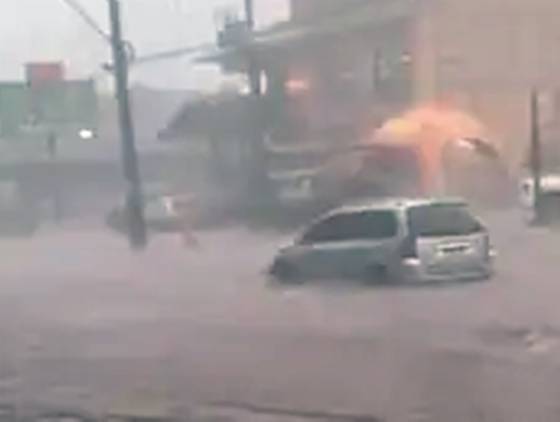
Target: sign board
41 73
64 102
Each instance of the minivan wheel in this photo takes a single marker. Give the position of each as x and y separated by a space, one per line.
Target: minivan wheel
285 272
376 275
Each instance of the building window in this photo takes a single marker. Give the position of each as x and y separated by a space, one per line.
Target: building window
391 75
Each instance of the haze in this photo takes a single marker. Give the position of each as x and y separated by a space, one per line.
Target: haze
34 30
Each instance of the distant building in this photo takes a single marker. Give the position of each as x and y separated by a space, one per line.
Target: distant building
41 120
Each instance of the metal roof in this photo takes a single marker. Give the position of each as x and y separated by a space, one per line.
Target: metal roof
376 12
223 113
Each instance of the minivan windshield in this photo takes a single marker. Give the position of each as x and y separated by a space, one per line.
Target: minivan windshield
365 225
441 220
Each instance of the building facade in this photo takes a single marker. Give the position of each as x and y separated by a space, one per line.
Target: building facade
482 56
487 56
338 70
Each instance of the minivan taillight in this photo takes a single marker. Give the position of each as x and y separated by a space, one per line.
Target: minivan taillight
408 248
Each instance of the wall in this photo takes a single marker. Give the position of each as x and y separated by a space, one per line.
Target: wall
487 57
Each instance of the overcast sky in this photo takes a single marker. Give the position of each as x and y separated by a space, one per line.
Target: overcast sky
36 30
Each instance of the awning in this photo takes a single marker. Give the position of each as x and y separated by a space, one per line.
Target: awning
220 117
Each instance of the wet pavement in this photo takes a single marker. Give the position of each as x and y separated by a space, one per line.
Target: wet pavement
85 323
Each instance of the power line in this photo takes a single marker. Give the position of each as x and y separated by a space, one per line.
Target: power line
174 54
178 53
88 20
164 55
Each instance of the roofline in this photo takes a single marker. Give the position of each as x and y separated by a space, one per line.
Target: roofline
366 15
400 203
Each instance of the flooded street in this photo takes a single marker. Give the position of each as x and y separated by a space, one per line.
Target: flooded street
86 324
384 127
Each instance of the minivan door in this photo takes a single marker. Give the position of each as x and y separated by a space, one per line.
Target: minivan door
347 244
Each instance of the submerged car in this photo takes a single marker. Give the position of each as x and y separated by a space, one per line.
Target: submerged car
406 240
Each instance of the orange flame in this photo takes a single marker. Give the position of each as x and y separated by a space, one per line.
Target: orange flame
430 128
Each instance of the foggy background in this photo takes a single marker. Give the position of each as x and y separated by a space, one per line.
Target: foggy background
46 30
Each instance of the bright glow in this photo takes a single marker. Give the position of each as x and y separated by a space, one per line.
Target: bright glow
86 134
430 128
406 58
169 204
465 144
411 262
297 86
245 90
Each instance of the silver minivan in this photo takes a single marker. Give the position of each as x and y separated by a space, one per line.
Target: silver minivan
391 240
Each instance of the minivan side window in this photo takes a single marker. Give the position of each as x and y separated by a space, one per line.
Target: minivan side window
367 225
442 220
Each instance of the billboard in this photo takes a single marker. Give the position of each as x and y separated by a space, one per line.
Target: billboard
47 72
56 105
63 103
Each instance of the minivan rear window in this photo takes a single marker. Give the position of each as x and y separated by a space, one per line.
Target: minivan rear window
441 220
365 225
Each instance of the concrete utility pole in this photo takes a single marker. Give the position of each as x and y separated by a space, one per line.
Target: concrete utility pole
536 155
258 181
134 201
52 152
250 14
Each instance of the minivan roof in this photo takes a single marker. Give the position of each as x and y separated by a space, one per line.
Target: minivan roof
396 203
